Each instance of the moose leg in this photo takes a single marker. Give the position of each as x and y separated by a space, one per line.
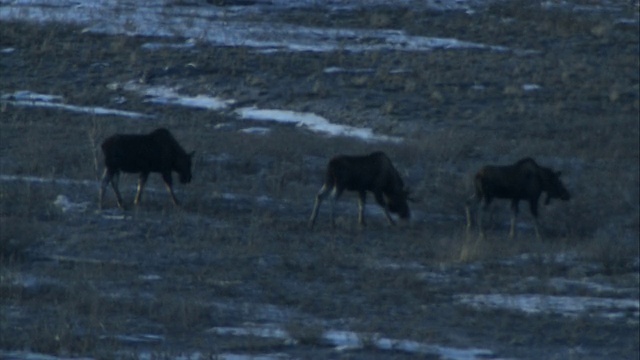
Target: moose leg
106 179
115 180
168 182
385 206
322 193
335 194
533 206
142 180
479 220
514 214
480 215
472 201
362 199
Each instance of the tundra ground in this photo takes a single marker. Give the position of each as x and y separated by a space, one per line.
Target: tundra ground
236 271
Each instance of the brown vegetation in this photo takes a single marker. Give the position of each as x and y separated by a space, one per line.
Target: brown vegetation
95 274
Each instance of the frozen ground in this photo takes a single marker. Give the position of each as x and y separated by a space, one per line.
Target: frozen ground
236 274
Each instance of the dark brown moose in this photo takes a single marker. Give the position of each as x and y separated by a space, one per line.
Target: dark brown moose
524 180
157 151
373 172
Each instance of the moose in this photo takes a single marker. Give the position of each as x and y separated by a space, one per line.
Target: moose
157 151
524 180
373 172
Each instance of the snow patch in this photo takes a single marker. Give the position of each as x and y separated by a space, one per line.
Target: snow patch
31 99
312 122
167 96
571 306
349 340
226 27
531 87
256 130
67 205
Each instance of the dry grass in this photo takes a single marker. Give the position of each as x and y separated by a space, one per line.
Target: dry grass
239 251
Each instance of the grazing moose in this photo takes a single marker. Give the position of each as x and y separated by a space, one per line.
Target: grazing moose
155 152
524 180
373 172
